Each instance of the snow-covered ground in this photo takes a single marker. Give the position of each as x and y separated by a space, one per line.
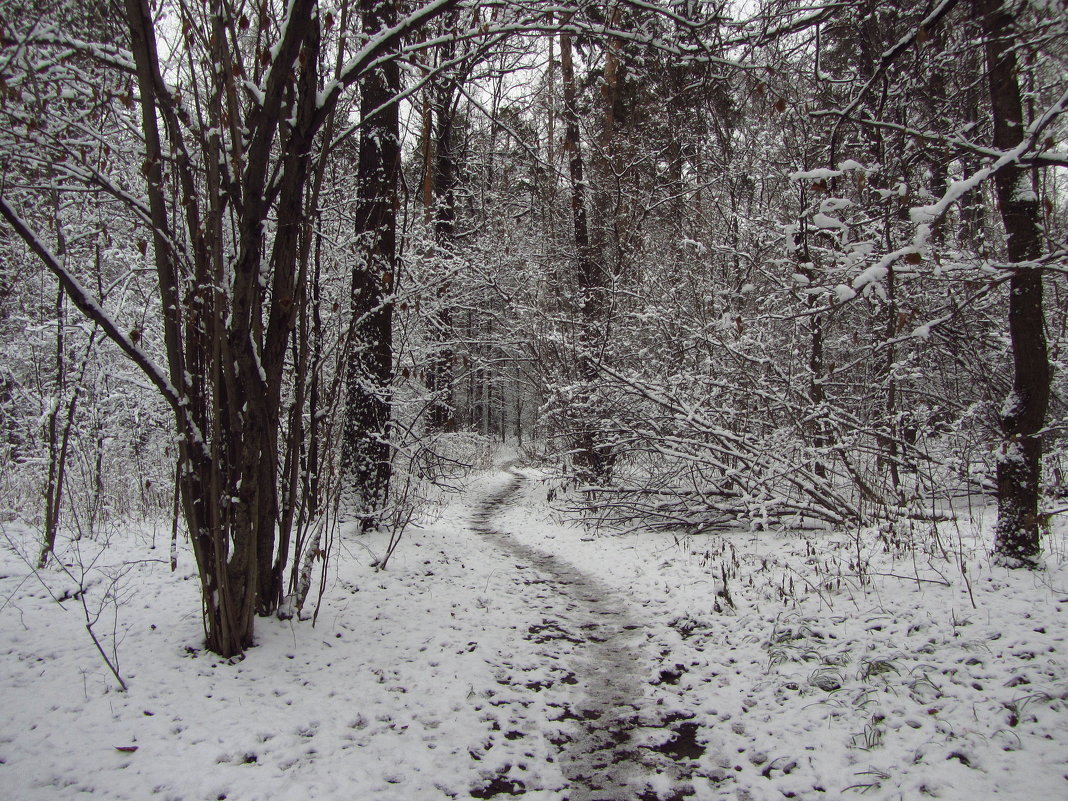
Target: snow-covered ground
818 684
819 669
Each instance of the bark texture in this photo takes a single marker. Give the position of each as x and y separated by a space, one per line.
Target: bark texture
369 371
1017 540
592 456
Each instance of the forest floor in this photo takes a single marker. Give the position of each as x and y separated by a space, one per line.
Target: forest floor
505 653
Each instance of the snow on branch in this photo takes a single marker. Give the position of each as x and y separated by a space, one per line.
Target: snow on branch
377 45
1048 158
108 56
888 58
91 309
931 213
532 18
923 217
412 89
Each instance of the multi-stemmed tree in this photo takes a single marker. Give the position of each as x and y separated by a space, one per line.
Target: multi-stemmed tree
232 128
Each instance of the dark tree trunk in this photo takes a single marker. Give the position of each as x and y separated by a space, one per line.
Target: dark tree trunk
607 167
56 454
1016 540
369 371
817 394
441 415
593 458
891 442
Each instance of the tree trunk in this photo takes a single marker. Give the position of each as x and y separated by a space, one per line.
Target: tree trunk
369 369
56 454
441 415
1016 539
817 394
592 457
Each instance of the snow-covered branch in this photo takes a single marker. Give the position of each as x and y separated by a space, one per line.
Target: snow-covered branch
91 309
926 215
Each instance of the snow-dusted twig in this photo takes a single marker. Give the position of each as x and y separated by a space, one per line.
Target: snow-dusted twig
91 309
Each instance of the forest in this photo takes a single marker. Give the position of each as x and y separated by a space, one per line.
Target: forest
276 277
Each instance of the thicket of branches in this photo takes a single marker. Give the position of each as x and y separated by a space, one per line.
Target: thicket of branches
282 262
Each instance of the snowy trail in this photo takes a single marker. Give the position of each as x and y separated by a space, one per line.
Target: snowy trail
587 625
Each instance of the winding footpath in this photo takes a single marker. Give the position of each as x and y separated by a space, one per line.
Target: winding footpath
600 644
